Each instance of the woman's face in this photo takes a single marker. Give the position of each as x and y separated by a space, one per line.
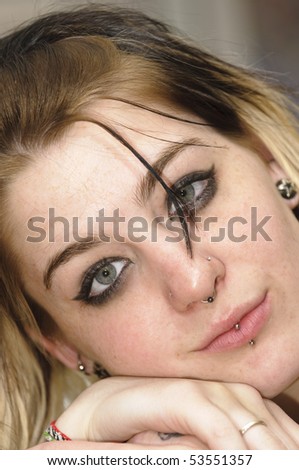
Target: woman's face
135 303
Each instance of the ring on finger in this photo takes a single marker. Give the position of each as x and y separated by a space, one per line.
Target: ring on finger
250 425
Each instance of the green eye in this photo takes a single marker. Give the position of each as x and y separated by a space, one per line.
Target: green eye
106 275
187 194
102 280
193 191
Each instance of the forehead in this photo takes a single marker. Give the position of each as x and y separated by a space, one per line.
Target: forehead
90 161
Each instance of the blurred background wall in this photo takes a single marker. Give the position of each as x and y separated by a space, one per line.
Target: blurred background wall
263 34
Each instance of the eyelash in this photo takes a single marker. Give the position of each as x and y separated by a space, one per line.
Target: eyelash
205 197
90 277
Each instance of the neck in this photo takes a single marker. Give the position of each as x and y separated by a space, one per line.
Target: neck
289 401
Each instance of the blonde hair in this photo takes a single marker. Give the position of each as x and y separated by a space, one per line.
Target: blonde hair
51 71
21 380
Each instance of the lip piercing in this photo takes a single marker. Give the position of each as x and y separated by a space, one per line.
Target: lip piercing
209 258
237 326
251 342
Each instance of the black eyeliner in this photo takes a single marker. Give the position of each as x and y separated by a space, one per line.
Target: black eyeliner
192 177
208 192
88 278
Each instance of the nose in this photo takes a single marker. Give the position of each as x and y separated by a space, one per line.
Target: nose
193 281
187 280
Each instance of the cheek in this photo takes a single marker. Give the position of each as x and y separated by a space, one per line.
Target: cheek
255 217
134 336
126 341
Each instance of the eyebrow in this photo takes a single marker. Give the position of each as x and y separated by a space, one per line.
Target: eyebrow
142 192
147 184
64 256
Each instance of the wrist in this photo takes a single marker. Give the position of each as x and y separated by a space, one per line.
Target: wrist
53 433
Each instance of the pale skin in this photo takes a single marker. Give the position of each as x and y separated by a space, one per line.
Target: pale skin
167 328
209 416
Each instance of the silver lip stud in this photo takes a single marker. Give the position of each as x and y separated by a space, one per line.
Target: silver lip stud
251 342
237 326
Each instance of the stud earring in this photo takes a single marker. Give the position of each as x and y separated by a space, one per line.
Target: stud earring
81 366
287 188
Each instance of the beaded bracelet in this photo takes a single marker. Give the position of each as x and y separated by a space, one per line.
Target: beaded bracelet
52 433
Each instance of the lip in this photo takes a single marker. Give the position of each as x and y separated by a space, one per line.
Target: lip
251 317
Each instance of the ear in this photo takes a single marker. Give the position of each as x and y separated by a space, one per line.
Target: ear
67 354
55 347
277 174
61 350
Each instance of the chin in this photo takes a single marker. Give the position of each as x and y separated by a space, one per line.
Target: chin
274 387
272 370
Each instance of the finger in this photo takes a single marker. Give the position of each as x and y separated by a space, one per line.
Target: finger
216 429
262 437
269 435
245 405
259 436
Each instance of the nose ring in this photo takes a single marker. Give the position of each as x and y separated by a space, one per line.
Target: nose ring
211 298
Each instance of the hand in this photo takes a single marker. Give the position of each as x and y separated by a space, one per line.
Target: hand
167 440
118 408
